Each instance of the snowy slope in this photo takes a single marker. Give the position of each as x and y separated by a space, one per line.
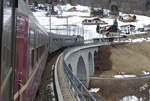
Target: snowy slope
75 18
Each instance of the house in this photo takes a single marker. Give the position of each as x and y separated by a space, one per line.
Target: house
127 28
40 1
94 21
141 29
97 12
72 9
108 29
127 18
146 27
106 33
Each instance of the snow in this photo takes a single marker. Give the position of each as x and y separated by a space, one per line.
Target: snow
138 40
95 90
130 98
50 87
143 87
146 73
124 76
73 19
40 15
66 7
76 17
78 7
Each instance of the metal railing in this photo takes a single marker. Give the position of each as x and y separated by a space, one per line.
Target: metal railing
80 91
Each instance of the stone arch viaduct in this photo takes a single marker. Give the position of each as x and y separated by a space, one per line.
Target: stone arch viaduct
81 62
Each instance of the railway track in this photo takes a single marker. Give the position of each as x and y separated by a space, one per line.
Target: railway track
46 90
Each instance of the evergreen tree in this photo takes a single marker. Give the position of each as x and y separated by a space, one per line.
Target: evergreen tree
109 1
98 28
35 4
115 26
134 17
114 9
147 5
115 23
70 1
92 11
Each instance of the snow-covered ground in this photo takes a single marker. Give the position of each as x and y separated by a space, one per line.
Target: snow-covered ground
137 40
94 90
75 18
130 98
124 76
146 73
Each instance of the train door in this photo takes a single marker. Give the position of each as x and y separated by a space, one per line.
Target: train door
6 31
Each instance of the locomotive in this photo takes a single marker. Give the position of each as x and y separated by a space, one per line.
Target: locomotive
24 48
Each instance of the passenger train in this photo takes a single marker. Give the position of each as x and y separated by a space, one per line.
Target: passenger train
24 48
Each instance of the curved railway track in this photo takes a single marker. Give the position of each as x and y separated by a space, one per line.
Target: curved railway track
46 90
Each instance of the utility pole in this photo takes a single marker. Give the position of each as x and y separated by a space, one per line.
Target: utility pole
119 36
27 2
131 33
50 18
82 30
67 26
49 8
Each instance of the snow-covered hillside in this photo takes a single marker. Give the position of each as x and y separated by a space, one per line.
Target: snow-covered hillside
75 18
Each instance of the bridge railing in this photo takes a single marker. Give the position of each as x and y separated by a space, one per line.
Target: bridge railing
80 91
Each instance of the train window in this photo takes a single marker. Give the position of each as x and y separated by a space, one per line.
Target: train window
33 51
5 47
30 63
39 36
31 39
36 39
32 60
31 35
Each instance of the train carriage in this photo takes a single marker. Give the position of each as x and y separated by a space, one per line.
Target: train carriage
31 53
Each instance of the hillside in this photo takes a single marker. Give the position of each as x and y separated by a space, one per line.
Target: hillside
141 7
127 59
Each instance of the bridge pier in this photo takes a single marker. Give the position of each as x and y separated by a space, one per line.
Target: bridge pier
81 71
81 63
91 64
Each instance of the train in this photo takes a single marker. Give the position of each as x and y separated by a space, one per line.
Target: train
24 48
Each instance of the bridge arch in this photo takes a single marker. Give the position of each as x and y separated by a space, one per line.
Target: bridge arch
91 64
95 53
81 70
70 67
